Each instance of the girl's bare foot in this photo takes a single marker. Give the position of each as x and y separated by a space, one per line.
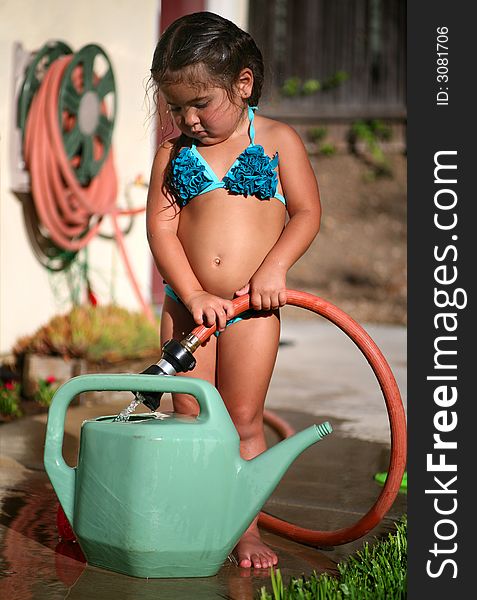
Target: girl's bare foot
250 551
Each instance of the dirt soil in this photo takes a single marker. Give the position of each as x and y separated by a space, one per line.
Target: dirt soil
358 260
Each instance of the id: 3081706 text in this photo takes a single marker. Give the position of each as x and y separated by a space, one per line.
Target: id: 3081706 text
442 66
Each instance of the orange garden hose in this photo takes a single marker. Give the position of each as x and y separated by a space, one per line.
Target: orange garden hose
71 213
396 415
279 425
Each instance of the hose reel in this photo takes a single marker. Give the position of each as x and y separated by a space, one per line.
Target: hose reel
87 111
34 74
86 104
66 112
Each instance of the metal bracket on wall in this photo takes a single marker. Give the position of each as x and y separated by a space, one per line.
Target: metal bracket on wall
19 176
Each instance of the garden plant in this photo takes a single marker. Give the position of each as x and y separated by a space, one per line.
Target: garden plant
373 573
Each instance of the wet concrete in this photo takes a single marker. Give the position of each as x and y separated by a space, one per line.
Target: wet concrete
328 487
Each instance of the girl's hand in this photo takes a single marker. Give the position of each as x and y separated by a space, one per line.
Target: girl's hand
207 309
267 289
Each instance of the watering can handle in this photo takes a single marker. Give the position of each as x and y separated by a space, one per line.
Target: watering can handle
61 475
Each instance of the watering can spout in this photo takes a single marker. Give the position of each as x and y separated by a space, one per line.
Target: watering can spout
261 475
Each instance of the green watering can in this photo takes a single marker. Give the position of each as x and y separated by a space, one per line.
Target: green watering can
162 495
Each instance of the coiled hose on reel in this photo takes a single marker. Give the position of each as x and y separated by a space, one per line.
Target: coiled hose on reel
67 121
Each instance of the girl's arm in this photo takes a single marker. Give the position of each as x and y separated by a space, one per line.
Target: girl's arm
162 222
267 286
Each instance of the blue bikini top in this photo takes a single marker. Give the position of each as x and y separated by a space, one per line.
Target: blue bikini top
253 172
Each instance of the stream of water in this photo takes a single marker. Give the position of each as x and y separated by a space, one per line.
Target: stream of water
127 412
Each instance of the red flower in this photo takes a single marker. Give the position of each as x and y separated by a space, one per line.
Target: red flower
9 385
50 379
92 298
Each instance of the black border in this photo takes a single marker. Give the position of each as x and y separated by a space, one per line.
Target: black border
433 128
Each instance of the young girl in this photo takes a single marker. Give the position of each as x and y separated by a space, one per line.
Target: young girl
216 221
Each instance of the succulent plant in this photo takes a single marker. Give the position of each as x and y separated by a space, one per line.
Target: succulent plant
95 333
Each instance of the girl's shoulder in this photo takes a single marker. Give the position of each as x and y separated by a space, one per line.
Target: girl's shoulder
168 148
277 133
163 155
168 145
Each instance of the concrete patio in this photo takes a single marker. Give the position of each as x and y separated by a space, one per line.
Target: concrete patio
320 375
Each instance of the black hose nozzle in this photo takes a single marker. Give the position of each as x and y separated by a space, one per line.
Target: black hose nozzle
151 399
176 358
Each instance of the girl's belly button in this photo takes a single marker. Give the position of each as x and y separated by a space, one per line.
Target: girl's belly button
217 261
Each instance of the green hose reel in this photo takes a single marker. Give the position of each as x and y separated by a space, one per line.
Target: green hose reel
34 74
87 110
86 104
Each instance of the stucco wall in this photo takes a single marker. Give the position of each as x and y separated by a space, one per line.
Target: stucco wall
127 31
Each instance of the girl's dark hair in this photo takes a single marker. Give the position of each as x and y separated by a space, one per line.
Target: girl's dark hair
206 39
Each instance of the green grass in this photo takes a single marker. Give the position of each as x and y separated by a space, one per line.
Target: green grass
373 573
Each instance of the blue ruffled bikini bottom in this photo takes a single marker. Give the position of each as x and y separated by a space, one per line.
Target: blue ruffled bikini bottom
245 315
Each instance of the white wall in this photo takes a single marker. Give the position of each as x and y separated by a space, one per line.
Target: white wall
233 10
127 30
